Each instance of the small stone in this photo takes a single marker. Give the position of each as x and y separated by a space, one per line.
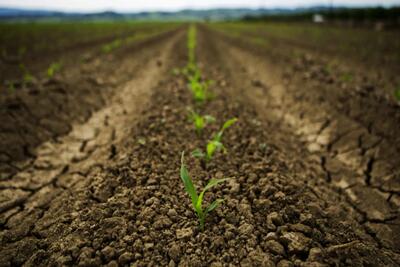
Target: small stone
297 242
174 252
275 247
184 233
246 229
125 258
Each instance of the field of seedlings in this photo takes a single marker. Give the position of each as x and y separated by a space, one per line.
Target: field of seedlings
218 144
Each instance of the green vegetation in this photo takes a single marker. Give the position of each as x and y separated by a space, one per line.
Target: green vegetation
200 121
107 48
191 45
53 68
27 77
198 86
346 77
36 37
197 200
397 93
200 89
348 43
215 144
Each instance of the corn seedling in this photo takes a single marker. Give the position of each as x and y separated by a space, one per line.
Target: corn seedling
54 67
197 200
191 44
215 144
11 87
200 121
397 93
347 77
200 89
26 76
107 48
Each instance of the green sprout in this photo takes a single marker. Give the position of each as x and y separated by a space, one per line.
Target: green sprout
215 144
200 89
346 77
107 48
26 76
11 87
53 68
197 200
200 121
397 93
191 44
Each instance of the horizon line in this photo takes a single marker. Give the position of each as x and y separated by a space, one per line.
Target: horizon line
196 8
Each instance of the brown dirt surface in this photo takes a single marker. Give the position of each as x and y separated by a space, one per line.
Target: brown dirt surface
314 172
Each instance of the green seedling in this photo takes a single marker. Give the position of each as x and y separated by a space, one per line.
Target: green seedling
397 93
215 144
26 76
11 87
107 48
53 68
200 121
191 44
200 89
347 77
197 200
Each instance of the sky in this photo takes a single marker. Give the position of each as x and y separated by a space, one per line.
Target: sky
172 5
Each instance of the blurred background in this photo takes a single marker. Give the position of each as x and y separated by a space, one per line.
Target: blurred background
383 13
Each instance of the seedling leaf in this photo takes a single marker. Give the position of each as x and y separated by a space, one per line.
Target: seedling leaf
213 205
197 200
197 153
228 123
187 181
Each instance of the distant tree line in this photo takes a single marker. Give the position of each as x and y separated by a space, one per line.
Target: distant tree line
378 14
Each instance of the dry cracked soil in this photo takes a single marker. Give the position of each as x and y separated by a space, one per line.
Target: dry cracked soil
90 163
